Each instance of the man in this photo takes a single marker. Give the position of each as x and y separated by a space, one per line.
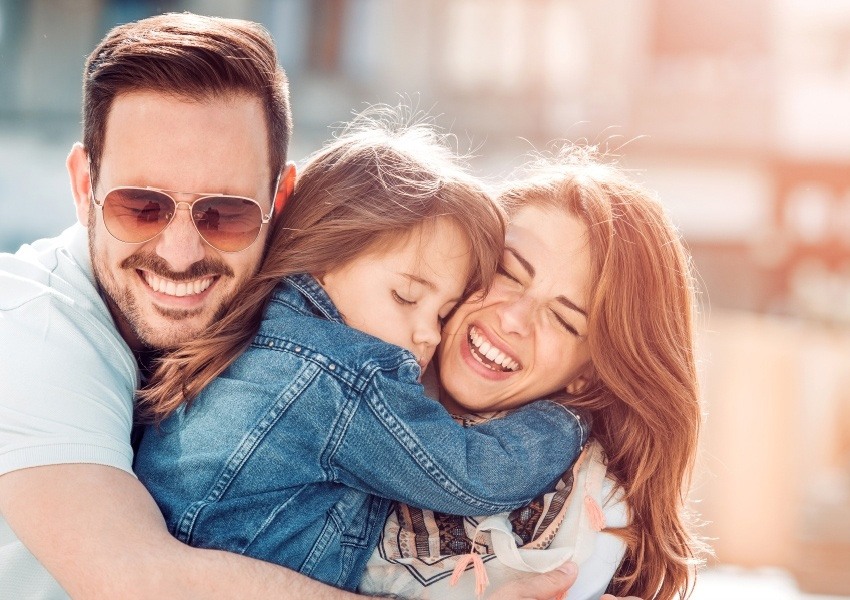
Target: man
186 125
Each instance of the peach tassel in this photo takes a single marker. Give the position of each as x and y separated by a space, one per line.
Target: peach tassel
481 578
594 513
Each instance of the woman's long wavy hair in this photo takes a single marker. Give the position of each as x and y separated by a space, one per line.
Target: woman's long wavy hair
643 392
366 190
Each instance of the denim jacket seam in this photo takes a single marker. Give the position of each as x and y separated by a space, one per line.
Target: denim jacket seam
246 448
415 451
583 428
312 290
357 378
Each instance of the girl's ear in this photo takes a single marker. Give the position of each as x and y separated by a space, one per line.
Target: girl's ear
285 187
78 172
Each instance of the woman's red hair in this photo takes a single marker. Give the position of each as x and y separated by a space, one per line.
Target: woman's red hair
643 392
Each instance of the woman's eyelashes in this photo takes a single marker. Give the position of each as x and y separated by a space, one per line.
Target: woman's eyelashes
501 270
560 320
564 324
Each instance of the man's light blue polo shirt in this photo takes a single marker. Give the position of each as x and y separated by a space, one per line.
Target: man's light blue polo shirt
67 380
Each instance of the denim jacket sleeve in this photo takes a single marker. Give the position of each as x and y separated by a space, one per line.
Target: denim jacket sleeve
416 453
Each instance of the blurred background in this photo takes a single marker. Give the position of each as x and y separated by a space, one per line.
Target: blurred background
737 113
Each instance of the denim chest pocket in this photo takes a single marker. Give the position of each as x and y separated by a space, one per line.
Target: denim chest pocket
356 516
350 534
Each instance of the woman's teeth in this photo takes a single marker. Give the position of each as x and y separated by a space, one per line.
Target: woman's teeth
488 355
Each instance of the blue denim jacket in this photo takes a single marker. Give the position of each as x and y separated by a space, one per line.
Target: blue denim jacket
294 454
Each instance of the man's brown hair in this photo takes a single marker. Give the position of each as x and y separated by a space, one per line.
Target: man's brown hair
189 56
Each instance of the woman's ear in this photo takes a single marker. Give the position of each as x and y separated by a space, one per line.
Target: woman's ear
582 381
78 172
577 385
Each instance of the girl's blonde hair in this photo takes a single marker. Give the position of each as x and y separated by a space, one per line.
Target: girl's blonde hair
643 391
367 189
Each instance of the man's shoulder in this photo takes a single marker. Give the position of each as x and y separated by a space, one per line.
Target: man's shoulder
55 269
49 302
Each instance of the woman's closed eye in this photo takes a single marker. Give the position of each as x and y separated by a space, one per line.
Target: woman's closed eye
501 270
564 324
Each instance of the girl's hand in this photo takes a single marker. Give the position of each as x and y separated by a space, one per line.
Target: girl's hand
610 597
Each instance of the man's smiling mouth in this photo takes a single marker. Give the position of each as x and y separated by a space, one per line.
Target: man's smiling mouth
488 355
177 288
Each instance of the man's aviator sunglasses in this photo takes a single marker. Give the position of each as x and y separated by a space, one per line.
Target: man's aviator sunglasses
138 214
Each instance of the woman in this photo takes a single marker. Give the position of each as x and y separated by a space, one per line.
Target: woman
594 296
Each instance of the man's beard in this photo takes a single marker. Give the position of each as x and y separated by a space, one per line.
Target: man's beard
125 307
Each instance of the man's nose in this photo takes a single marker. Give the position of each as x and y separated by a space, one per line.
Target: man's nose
180 244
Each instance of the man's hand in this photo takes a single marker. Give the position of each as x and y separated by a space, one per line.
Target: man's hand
544 586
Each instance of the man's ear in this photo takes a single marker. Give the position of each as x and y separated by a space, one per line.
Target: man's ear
284 187
78 171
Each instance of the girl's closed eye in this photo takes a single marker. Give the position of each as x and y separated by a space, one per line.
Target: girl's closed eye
402 300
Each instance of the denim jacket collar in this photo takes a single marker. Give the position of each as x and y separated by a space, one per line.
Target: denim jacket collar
316 295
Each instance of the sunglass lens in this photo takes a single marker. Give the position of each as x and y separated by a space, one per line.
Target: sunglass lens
228 223
136 215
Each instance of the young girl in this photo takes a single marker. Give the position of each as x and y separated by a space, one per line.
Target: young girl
294 449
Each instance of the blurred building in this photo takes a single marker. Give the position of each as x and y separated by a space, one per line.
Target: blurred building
738 113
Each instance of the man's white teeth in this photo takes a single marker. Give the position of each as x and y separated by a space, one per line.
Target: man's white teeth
483 349
174 288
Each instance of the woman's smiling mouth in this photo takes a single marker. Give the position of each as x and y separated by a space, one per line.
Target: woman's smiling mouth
488 355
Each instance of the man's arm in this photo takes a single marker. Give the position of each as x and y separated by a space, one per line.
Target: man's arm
100 534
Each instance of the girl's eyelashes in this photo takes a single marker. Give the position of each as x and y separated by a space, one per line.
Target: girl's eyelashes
398 298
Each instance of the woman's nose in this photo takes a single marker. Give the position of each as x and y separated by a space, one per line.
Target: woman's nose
516 314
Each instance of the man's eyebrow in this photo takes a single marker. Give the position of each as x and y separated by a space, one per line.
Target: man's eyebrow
531 271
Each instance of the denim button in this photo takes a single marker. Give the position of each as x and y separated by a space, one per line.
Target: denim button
298 348
331 367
